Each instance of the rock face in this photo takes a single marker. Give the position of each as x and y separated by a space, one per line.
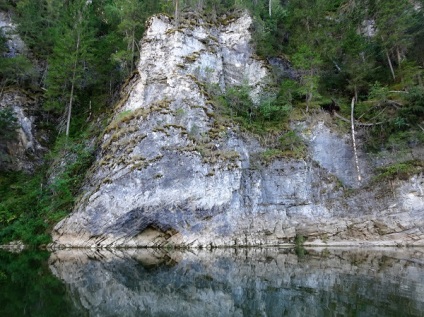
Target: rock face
25 151
247 282
169 172
14 43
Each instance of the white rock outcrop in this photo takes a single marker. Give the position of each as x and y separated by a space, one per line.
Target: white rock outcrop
170 172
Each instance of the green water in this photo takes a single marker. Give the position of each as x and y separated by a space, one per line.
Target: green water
28 288
225 282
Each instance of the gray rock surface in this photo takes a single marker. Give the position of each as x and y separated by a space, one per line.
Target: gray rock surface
14 43
170 172
26 151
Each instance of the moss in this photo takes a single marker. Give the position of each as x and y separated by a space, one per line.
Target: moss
120 120
176 126
192 57
200 107
270 155
211 115
179 112
213 38
107 180
161 130
139 166
402 171
117 145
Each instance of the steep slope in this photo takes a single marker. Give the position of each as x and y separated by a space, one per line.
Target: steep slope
25 150
170 173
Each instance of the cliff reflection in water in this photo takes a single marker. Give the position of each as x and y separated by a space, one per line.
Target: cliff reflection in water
244 282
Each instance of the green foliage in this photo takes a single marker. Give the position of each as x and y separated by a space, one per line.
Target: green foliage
70 61
270 155
17 71
35 21
29 286
269 31
399 171
8 132
413 112
237 104
378 92
6 5
299 240
292 145
8 124
30 206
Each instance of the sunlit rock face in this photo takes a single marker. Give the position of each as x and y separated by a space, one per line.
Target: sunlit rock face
170 171
244 282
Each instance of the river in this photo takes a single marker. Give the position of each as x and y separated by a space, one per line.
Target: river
219 282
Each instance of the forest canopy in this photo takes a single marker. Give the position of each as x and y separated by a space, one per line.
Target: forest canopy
369 49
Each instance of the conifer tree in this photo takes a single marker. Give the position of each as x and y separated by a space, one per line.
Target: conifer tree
69 65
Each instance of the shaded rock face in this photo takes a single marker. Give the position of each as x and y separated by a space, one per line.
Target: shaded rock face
170 172
14 43
244 282
24 152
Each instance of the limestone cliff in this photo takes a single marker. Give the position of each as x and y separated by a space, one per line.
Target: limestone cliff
169 173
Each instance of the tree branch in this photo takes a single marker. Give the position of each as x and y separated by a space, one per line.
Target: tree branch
358 124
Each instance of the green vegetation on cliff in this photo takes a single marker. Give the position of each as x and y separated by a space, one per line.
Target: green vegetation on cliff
31 204
81 51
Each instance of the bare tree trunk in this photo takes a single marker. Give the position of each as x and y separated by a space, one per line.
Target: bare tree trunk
270 7
132 51
309 95
399 58
308 100
355 152
356 93
74 72
390 65
176 12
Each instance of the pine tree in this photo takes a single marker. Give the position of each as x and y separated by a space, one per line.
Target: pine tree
69 65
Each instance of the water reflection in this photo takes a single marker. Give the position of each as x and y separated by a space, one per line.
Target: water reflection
244 282
27 287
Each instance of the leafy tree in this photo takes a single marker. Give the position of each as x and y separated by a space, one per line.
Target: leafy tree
131 15
394 20
309 63
35 21
17 71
